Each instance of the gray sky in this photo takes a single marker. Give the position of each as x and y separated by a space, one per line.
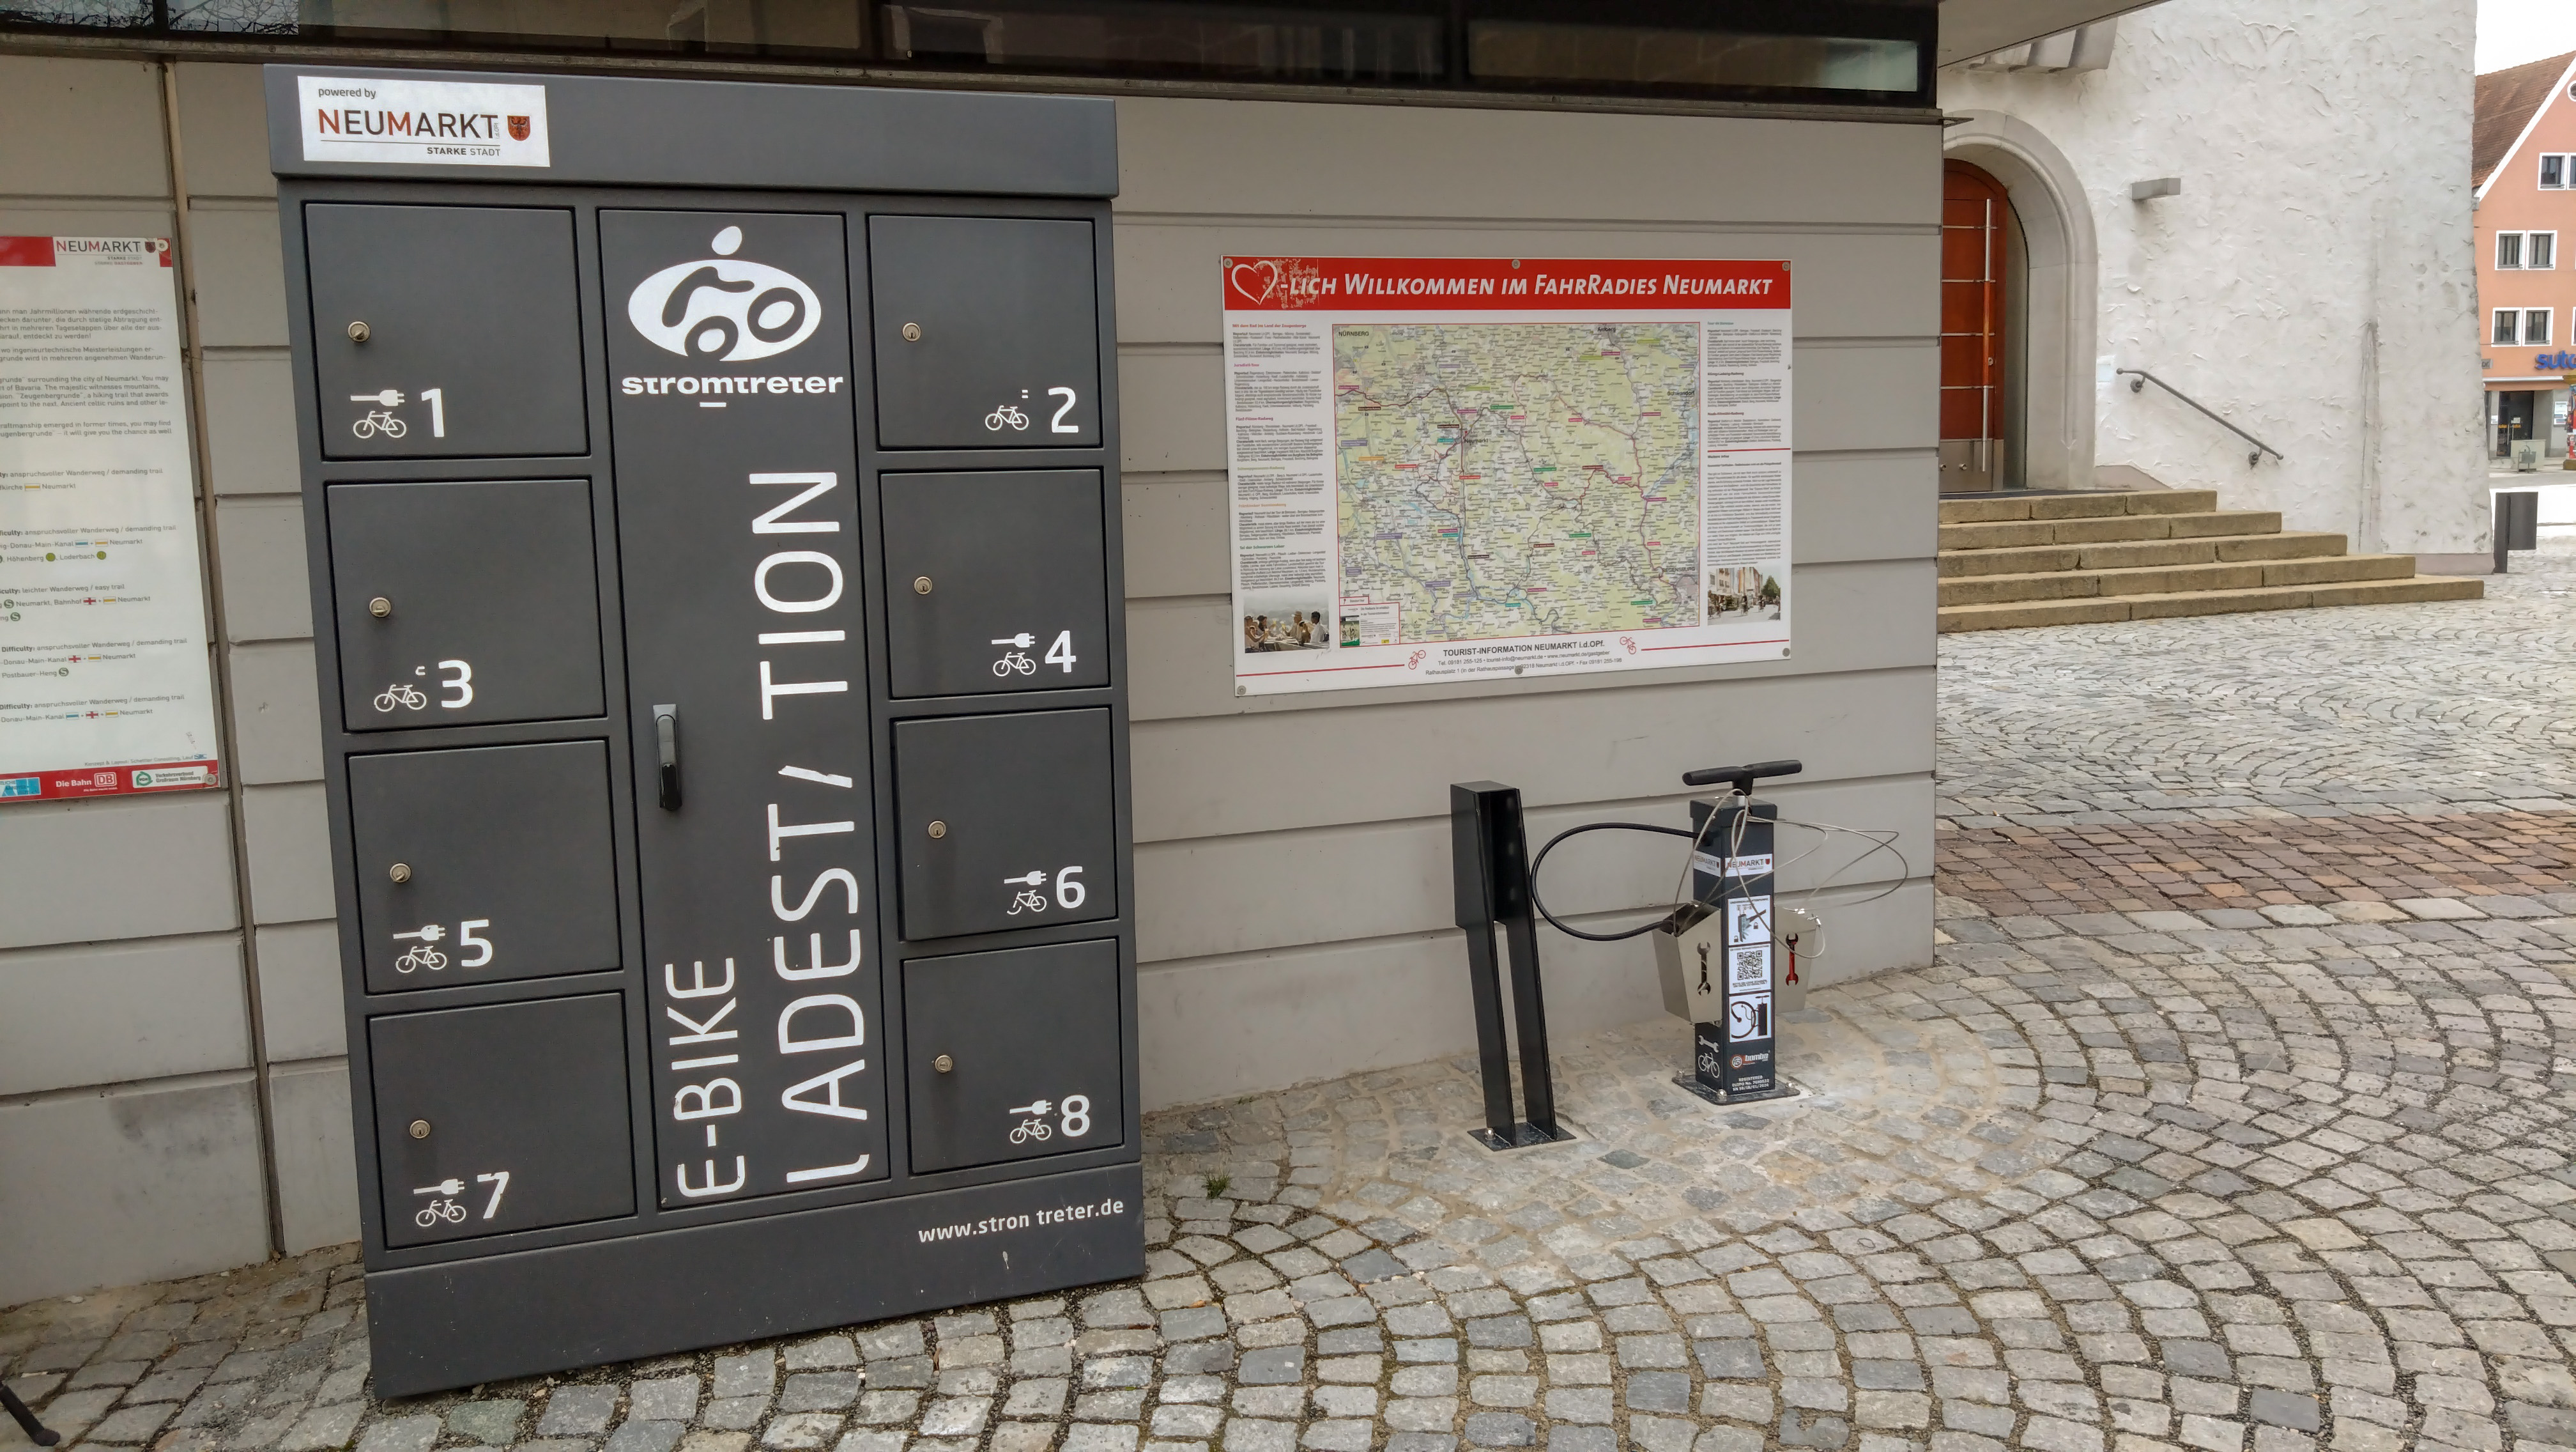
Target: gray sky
2511 32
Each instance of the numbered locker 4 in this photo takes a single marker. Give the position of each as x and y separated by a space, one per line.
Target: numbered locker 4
997 582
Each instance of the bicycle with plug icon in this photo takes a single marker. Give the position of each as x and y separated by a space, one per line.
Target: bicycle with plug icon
448 1209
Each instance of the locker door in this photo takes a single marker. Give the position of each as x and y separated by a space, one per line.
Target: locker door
445 332
1005 822
1013 1055
987 333
460 604
507 1117
492 862
995 582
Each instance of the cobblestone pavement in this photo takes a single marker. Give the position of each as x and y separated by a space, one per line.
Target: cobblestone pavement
2458 705
2357 863
2288 1176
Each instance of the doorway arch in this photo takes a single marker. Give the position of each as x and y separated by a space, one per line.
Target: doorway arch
2053 338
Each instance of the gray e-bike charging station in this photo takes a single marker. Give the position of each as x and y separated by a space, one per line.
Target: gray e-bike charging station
711 494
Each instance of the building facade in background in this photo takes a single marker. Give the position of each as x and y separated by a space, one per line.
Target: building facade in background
2525 174
2264 205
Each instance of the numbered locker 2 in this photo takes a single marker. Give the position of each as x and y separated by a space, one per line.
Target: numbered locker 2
987 332
1005 822
996 581
460 604
1013 1054
484 863
501 1118
445 332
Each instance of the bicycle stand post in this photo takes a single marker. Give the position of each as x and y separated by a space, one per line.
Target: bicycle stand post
37 1432
1489 867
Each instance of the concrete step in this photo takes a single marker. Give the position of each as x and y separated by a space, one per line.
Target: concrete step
1990 508
2016 615
2100 529
2077 584
2138 554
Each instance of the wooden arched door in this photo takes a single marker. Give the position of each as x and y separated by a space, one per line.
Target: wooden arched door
1974 215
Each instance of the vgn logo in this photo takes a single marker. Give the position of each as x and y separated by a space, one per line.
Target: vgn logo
722 309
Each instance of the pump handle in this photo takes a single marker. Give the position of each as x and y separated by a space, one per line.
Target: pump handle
1742 777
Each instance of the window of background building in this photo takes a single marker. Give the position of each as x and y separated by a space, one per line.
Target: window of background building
1849 52
2556 168
2508 327
2535 325
2508 249
2540 251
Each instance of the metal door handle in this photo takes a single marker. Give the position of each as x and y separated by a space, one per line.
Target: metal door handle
666 729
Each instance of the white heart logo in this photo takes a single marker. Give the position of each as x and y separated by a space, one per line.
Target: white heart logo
1266 270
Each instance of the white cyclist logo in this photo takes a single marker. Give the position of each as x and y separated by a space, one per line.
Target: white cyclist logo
723 309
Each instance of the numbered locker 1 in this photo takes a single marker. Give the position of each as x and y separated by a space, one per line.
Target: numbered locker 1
996 581
445 332
483 863
506 1117
1013 1054
463 604
987 332
1005 822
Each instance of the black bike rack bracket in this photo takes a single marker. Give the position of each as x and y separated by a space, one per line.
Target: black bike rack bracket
1489 865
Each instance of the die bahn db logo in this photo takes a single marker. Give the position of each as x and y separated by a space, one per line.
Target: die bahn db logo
722 309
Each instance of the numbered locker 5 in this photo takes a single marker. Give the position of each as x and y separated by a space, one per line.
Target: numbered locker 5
987 333
508 1117
1005 822
996 581
1013 1055
485 863
458 604
445 332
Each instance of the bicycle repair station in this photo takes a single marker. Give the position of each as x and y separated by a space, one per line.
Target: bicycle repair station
725 710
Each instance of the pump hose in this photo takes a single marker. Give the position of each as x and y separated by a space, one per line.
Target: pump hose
1577 832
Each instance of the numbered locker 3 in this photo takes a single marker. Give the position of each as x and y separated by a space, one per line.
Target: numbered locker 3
987 332
461 604
483 863
506 1117
1013 1054
445 332
997 581
1005 820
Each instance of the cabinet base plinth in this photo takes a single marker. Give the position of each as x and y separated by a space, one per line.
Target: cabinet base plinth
459 1323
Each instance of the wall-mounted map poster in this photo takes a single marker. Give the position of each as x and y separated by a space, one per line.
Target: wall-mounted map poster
105 687
1452 469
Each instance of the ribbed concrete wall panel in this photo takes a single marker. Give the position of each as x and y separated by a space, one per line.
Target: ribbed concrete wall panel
143 1182
130 867
104 1014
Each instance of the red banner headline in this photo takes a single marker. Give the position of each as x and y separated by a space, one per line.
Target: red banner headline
1480 284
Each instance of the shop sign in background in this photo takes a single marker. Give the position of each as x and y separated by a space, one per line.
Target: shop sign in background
105 687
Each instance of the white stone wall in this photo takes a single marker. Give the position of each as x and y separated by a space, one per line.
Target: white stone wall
2314 282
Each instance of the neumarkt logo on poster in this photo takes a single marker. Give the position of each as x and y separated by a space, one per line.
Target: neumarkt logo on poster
423 123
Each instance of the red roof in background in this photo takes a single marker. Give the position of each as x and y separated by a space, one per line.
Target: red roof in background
2506 100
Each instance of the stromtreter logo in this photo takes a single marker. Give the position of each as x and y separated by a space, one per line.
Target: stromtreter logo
722 309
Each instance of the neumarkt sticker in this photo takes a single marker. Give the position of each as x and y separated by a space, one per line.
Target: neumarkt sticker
422 123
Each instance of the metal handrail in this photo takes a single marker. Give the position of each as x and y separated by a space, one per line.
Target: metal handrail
2139 378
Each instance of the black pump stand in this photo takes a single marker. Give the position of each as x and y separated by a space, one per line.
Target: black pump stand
36 1431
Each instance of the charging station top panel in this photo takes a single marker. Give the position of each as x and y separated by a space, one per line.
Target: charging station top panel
632 131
